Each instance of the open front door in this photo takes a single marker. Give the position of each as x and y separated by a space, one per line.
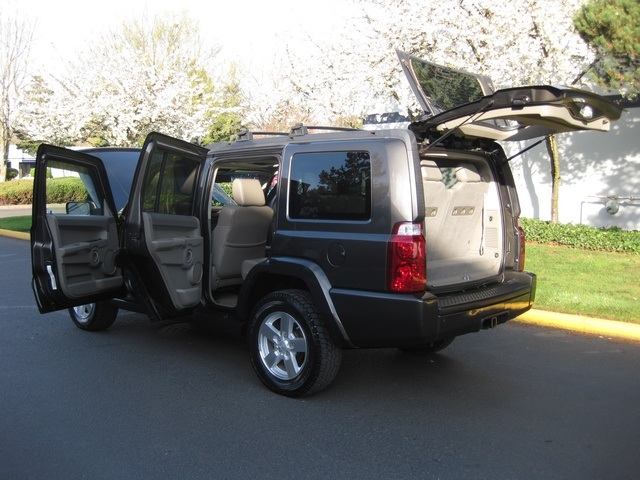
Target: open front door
74 238
163 237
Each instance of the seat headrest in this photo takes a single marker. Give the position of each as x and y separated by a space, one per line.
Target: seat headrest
430 171
247 192
467 173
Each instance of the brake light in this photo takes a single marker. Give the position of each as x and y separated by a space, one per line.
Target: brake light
522 249
406 258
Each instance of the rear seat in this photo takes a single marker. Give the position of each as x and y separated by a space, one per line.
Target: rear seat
436 200
464 214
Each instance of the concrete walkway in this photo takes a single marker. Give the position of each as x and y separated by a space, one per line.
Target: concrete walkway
574 323
14 210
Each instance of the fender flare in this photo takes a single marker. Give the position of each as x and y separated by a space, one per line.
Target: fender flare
312 276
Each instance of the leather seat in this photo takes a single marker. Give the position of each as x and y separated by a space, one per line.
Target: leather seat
241 232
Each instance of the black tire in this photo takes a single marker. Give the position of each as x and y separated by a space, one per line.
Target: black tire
93 317
291 351
429 348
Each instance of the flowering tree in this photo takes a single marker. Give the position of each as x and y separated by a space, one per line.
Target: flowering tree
152 74
16 35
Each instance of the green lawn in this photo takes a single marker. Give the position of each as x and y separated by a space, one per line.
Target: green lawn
17 224
597 284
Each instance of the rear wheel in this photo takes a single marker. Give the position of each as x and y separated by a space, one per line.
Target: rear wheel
291 350
94 316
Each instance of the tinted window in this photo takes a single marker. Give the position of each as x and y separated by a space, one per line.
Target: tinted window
330 186
446 88
169 184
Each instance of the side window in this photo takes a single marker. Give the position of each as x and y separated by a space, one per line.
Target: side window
170 183
449 176
330 186
72 190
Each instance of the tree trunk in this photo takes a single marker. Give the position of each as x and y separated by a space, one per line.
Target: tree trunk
4 159
552 148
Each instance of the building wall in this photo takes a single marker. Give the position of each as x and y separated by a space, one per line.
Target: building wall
595 167
21 161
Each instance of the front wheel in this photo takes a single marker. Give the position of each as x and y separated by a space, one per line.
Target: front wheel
291 350
94 316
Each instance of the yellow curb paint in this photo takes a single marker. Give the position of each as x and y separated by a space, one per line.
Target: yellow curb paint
578 323
12 234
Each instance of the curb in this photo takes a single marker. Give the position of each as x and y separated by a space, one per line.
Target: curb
579 323
13 234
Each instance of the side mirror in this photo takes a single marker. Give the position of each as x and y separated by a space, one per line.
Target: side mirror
79 208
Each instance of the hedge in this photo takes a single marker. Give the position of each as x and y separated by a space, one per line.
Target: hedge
608 239
60 190
16 192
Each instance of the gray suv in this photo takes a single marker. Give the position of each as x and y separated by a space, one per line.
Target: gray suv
314 242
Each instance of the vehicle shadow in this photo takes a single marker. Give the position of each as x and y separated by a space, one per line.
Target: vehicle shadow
450 380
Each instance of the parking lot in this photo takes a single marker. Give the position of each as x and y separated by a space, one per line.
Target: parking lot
179 400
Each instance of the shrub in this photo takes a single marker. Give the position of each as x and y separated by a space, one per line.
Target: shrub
16 192
60 190
609 239
66 189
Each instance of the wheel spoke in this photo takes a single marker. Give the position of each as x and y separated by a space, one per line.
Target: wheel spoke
268 331
286 325
271 359
291 364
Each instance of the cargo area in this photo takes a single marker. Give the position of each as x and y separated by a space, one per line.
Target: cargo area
463 220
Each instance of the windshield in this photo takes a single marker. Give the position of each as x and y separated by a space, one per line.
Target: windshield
120 166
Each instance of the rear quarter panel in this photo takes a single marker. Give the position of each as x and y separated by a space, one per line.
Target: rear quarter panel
353 253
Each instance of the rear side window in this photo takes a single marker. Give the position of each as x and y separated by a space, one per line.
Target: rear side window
170 184
330 186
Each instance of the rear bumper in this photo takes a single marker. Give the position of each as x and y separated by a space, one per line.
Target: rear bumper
395 320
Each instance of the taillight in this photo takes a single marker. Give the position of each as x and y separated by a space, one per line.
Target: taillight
521 241
406 257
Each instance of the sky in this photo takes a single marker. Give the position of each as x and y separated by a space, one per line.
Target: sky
252 30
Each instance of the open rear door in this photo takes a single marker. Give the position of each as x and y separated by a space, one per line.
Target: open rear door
163 237
466 103
74 237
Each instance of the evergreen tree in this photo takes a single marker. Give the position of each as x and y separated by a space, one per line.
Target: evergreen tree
612 27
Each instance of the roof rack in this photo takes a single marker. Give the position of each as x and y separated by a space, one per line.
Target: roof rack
299 129
244 134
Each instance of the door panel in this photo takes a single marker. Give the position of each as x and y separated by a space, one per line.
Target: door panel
86 247
176 246
74 235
